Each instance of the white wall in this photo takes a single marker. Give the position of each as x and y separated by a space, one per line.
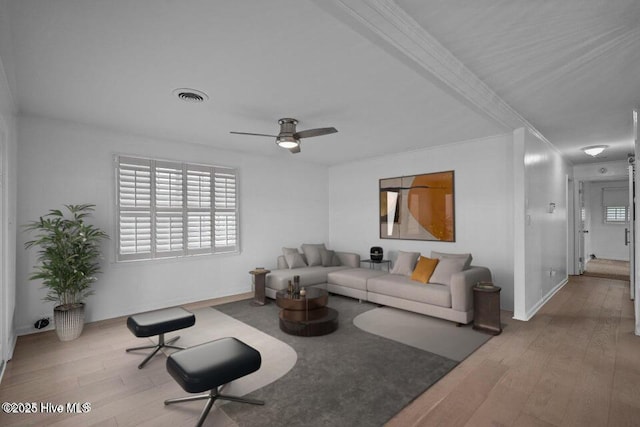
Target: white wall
601 171
483 204
542 266
604 240
283 202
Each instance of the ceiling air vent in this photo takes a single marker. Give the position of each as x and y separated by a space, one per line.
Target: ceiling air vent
191 95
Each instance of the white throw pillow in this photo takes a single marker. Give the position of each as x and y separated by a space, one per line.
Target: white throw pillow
293 257
445 268
405 263
466 257
312 253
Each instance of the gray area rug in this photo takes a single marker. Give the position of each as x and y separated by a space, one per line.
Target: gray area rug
347 378
427 333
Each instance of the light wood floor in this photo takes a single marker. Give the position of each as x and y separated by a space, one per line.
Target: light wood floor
576 363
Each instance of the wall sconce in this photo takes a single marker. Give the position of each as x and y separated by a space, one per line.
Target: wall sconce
552 207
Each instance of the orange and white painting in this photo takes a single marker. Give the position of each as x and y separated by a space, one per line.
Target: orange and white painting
418 207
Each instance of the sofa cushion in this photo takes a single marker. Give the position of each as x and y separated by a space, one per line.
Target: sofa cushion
355 278
466 257
405 263
445 268
313 253
293 257
399 286
327 257
424 269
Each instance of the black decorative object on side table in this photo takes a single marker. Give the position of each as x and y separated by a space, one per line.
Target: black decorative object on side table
486 308
376 254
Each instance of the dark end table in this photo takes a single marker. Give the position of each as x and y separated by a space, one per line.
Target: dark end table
486 309
260 280
372 263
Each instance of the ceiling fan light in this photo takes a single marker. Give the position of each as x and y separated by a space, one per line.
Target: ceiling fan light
594 150
287 142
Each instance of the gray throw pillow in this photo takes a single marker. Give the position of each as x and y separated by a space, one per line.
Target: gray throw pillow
445 268
405 263
293 258
441 255
312 253
327 257
335 262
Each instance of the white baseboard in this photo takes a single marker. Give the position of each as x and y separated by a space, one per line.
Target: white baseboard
533 310
29 329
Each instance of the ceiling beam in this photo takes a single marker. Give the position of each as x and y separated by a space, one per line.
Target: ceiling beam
391 24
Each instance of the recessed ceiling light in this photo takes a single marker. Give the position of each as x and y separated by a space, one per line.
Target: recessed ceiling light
594 150
191 95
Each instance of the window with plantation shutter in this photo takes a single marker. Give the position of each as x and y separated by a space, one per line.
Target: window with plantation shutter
614 202
170 209
615 214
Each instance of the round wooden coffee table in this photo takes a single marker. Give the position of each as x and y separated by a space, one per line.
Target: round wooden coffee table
307 316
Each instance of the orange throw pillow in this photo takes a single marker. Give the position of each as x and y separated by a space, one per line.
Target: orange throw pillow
424 269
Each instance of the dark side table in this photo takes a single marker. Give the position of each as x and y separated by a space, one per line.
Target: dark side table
486 309
372 263
260 279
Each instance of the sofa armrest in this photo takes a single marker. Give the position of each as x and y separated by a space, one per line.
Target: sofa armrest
461 286
349 259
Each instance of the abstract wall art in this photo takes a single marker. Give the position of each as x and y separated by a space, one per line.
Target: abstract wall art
418 207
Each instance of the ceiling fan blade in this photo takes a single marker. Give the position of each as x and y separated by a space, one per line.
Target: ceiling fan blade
254 134
295 149
314 132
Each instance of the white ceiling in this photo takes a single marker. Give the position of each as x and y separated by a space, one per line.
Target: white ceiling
569 69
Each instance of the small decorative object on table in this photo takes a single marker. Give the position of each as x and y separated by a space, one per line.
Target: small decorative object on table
296 284
259 278
376 254
486 285
303 292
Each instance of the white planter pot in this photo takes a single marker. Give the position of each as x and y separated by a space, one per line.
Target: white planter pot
69 321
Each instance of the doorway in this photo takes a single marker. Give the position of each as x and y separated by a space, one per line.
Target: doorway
605 228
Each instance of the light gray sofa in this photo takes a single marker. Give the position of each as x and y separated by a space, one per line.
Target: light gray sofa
452 302
278 280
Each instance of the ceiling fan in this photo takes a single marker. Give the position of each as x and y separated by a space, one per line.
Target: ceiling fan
288 137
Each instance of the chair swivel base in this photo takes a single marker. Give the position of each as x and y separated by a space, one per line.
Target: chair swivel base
211 397
157 347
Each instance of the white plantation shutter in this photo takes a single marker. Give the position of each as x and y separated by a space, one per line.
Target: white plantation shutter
615 214
199 209
170 209
134 208
169 196
225 210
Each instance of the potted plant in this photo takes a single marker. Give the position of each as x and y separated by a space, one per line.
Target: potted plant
67 263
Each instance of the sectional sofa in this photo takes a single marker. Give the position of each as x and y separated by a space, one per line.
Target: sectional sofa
450 298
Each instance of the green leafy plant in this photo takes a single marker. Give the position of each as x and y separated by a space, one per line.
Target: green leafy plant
68 255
